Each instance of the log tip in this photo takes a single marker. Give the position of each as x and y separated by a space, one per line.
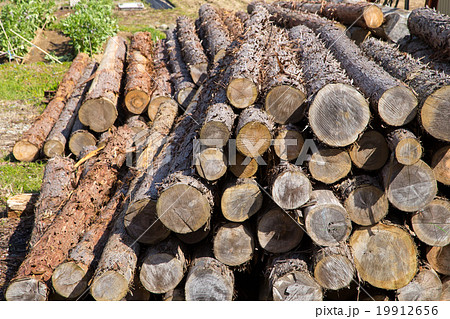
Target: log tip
373 16
27 289
110 286
68 280
242 92
53 148
398 106
98 114
25 151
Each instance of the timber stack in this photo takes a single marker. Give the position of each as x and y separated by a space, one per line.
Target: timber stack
302 159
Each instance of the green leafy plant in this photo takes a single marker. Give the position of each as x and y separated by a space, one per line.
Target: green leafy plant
90 25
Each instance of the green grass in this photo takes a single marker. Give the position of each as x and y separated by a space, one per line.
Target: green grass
156 34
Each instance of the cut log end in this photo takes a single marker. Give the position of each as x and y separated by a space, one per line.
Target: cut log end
244 167
54 148
110 286
330 165
370 152
25 151
27 289
81 139
185 95
298 286
432 224
334 272
426 286
98 114
284 103
240 202
397 106
233 244
136 101
288 144
214 134
253 139
242 92
69 280
291 189
408 151
440 164
211 163
439 259
435 114
366 205
199 72
161 272
373 16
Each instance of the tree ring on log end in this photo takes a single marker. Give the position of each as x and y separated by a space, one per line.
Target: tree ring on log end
373 16
54 148
154 104
27 289
214 134
253 139
157 267
98 114
435 114
67 280
326 270
284 103
408 151
298 286
439 259
25 151
183 96
397 106
242 201
101 288
432 224
370 152
199 72
291 189
79 140
366 205
136 101
242 92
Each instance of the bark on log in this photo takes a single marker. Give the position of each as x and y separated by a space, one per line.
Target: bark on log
358 34
163 267
99 110
192 49
409 187
426 286
279 231
431 27
290 188
140 73
329 165
432 223
326 220
439 259
405 146
288 142
233 22
22 203
288 279
211 163
218 125
370 152
92 193
241 199
55 143
364 199
440 163
243 166
385 256
28 147
333 267
432 87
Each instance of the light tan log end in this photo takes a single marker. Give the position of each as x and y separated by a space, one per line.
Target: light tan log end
69 280
24 151
26 289
435 114
54 148
110 286
242 92
398 106
98 114
136 101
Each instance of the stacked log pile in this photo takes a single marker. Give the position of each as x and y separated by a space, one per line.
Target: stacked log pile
303 166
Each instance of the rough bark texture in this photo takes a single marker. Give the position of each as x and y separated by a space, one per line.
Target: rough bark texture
234 244
28 147
432 223
99 110
405 146
329 165
426 286
370 152
233 22
57 139
218 125
385 256
440 163
241 199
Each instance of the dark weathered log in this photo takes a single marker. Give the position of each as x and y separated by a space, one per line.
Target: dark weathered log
28 147
279 231
192 49
176 294
233 22
211 163
288 142
58 183
432 223
243 166
364 200
395 25
358 34
432 87
431 27
370 152
241 199
385 256
242 89
326 220
55 143
405 146
218 125
99 110
63 234
439 259
333 267
426 286
290 187
409 187
288 279
440 163
70 279
329 165
140 73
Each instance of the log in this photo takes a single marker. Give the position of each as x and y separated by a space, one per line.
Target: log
405 146
194 237
445 295
326 220
28 147
409 187
22 202
329 165
209 279
56 141
163 266
358 34
364 199
80 138
233 244
438 258
432 87
395 26
330 92
232 20
440 163
99 110
288 142
213 32
140 73
429 25
243 166
333 267
192 49
218 125
432 223
50 250
385 255
279 231
241 199
289 280
70 279
290 188
253 132
370 152
211 163
426 286
242 89
174 295
180 77
282 80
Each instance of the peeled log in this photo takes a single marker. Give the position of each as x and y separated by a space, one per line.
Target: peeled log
439 259
385 256
409 187
370 152
426 286
440 163
28 147
163 267
218 125
192 49
279 231
288 142
329 165
326 220
55 143
241 199
211 163
209 279
432 223
364 200
333 267
243 166
99 110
